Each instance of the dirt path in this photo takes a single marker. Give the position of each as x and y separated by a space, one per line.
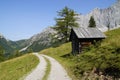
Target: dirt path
57 71
39 71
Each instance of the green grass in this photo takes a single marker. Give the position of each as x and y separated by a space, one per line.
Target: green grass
16 68
61 54
113 38
48 68
105 58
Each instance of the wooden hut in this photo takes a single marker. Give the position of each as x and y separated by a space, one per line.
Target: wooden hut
81 37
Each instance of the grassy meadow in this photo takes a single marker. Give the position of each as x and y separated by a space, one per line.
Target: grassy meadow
16 68
95 61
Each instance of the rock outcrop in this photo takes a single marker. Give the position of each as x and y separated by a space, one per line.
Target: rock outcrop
109 17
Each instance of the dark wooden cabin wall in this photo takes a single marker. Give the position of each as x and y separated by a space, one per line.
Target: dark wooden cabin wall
75 43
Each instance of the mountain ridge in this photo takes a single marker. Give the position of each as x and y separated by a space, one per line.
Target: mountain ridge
108 17
40 41
6 44
103 17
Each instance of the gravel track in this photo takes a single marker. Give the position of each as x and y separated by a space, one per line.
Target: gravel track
57 71
39 71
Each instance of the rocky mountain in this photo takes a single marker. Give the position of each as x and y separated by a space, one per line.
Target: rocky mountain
108 17
39 41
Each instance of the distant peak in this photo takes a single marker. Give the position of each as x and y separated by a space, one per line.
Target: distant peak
96 9
1 36
118 0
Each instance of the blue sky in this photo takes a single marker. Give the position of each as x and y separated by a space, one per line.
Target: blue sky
21 19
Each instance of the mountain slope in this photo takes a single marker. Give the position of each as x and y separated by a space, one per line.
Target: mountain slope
20 43
10 46
108 17
5 44
39 41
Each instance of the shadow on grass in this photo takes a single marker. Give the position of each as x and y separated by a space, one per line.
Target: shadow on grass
113 71
67 55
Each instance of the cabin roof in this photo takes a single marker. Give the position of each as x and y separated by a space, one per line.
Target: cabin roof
88 33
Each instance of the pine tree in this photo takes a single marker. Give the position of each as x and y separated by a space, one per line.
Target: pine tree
108 26
65 22
92 22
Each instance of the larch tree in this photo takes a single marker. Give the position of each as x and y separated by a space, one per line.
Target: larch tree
65 22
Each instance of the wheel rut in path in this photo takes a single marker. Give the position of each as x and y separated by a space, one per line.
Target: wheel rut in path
57 72
39 71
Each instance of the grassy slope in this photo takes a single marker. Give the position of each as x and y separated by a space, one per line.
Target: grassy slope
16 68
103 57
